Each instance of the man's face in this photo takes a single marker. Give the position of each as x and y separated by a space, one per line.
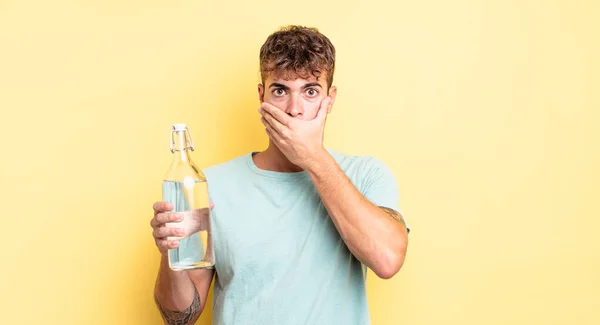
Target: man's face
299 98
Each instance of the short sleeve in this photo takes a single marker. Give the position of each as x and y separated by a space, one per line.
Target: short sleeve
381 187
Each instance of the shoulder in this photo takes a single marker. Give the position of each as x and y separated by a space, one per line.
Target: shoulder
228 167
363 170
359 165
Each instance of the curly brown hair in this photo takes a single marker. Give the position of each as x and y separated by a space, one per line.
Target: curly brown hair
297 51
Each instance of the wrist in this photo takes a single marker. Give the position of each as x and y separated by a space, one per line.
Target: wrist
320 163
166 271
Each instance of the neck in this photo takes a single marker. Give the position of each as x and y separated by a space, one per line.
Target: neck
181 155
273 159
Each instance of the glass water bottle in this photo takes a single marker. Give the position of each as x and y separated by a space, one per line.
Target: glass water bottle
186 188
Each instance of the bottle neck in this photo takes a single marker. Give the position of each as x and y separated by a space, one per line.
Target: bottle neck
181 145
182 156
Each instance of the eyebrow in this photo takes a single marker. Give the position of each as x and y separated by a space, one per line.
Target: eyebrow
284 87
278 85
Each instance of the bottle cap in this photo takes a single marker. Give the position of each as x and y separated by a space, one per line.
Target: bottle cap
179 127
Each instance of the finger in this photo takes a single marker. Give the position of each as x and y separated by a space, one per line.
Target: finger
165 245
270 135
162 207
273 121
323 109
271 132
163 218
211 205
269 126
154 223
329 104
273 135
163 232
275 125
278 114
276 139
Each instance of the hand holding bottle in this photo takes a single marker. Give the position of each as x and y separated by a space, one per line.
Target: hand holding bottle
170 227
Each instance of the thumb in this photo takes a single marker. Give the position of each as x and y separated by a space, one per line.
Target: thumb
324 108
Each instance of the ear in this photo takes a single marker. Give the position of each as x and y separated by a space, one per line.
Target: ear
332 94
261 93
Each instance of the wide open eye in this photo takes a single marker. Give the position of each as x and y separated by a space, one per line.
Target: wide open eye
278 92
312 92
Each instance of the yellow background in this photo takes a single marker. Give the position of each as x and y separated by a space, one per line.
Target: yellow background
486 111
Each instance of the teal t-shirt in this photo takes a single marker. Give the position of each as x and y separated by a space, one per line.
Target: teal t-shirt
278 257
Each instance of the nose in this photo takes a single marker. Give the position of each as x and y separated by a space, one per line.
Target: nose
294 107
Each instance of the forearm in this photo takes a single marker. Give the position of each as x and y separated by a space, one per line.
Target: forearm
176 296
374 237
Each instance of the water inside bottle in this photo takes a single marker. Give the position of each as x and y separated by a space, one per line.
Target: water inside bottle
191 197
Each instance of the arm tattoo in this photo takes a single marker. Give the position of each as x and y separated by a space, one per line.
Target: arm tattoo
394 214
182 317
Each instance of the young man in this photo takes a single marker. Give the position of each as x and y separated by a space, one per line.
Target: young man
294 226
